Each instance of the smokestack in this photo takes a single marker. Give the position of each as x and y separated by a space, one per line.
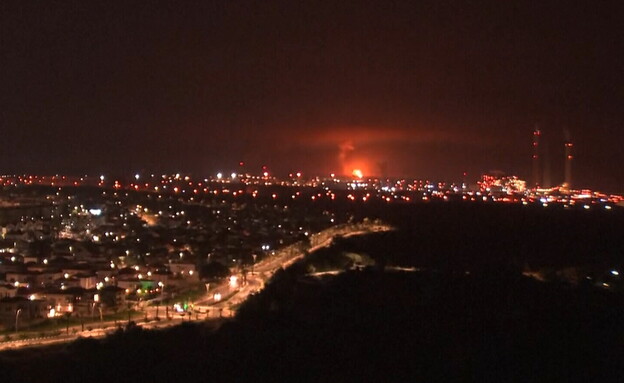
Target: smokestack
568 165
536 161
567 176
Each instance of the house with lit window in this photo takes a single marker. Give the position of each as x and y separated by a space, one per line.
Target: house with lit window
7 290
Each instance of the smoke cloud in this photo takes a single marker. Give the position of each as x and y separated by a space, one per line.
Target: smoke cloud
345 148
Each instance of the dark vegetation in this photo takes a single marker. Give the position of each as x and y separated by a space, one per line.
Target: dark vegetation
214 271
468 315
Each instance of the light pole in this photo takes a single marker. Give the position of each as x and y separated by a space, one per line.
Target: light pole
162 290
17 313
162 298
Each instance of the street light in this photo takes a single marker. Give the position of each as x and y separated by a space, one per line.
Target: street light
17 313
93 308
162 290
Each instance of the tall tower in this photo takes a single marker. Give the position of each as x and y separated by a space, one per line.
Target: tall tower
536 161
567 169
545 162
568 165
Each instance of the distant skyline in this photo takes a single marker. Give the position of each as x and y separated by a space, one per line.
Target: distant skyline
427 89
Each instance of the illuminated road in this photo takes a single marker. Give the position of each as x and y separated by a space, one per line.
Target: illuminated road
233 296
208 309
107 328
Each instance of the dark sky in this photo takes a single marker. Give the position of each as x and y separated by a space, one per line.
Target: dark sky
433 89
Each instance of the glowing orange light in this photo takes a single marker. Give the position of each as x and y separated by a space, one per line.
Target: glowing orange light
358 173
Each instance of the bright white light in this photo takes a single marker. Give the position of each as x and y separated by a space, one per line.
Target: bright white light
233 175
95 212
101 178
178 308
137 176
219 175
615 272
217 297
233 281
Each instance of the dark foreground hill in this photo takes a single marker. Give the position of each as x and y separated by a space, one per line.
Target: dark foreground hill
468 315
367 326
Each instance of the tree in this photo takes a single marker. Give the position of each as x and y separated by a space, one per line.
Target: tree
214 270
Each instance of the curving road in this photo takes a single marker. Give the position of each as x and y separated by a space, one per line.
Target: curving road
207 308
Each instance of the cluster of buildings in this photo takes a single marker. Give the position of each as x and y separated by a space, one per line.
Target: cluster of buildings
491 187
90 252
89 246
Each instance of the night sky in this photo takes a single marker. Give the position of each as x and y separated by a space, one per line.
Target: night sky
431 89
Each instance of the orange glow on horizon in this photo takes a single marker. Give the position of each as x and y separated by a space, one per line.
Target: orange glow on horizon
358 173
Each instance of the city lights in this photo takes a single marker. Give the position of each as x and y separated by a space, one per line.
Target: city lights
330 191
